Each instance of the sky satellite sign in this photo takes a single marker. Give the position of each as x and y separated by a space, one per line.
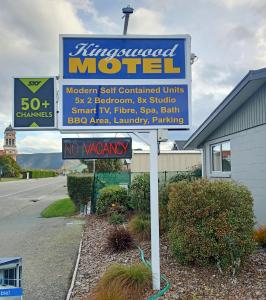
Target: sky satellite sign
34 103
122 83
95 148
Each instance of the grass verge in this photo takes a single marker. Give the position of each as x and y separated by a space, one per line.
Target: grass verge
4 179
60 208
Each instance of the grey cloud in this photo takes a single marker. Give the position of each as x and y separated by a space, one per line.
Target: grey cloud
259 8
29 40
203 106
222 75
241 33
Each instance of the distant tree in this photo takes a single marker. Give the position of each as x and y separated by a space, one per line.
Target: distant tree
9 166
103 165
108 165
89 164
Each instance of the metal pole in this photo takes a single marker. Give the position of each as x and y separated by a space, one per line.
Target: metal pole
126 24
94 163
154 205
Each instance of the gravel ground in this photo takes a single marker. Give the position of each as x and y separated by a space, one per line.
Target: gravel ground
186 282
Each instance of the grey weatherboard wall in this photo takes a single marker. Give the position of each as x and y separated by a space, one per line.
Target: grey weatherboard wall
249 115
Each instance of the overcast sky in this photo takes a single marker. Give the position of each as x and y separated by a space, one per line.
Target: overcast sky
228 36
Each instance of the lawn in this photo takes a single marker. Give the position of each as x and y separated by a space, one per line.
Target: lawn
60 208
3 179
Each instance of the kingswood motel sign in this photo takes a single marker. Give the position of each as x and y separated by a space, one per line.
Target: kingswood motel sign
116 83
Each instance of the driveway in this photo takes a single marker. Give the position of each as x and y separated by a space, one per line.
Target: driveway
48 246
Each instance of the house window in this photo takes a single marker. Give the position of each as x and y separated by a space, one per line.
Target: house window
10 277
221 157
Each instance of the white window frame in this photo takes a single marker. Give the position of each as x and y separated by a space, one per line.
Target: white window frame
220 173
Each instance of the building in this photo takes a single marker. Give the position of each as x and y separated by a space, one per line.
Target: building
233 139
10 272
9 143
169 161
179 145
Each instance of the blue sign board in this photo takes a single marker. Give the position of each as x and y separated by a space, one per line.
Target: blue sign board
121 82
34 103
120 58
11 292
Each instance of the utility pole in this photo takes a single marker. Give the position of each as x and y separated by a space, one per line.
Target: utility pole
127 11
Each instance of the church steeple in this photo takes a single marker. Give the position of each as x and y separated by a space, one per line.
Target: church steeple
10 142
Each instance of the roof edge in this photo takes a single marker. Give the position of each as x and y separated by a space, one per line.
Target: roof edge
251 75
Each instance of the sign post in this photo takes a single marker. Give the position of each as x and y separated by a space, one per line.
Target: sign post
154 204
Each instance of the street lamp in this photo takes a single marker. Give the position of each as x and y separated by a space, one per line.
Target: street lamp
126 11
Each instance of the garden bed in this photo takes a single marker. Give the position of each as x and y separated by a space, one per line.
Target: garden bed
186 282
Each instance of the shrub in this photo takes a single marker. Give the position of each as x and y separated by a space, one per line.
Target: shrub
132 279
186 175
197 171
9 166
163 212
260 235
112 195
80 188
116 218
140 226
140 193
193 174
211 221
113 291
118 208
119 239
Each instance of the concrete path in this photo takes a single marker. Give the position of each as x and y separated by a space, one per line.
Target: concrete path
48 246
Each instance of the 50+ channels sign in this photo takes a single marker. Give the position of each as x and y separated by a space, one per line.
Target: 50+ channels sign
34 103
140 82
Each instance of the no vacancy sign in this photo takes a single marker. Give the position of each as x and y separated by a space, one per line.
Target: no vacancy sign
96 148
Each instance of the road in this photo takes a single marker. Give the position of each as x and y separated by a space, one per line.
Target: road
48 246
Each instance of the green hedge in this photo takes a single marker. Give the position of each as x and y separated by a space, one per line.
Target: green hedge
211 222
39 173
80 188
